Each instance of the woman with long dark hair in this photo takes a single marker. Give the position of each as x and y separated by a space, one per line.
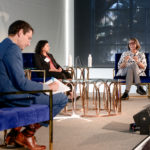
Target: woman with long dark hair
45 61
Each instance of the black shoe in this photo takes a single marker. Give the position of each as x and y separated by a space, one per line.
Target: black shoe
125 96
77 98
70 100
141 91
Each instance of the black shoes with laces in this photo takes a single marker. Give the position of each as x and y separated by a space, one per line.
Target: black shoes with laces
125 96
140 90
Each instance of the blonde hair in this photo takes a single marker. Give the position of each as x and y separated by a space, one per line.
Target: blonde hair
138 46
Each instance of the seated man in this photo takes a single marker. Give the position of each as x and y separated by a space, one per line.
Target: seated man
13 79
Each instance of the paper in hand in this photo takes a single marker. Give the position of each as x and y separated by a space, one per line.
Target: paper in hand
62 87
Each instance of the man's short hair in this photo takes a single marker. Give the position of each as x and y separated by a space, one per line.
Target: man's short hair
17 25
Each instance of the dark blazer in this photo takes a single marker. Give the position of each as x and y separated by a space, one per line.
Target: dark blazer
41 64
12 77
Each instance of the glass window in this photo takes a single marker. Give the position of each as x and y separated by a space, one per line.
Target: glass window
109 25
119 21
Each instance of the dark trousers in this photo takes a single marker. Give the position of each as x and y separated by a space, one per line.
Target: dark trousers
59 75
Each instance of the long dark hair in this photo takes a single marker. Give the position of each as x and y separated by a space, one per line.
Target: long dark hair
40 45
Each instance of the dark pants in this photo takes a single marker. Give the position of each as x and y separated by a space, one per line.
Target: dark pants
59 75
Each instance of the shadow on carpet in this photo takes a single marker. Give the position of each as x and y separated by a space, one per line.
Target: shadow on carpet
119 127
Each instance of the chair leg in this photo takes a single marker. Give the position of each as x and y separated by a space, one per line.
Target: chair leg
51 122
149 90
5 134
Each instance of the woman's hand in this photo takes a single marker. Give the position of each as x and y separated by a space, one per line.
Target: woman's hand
123 64
60 69
142 66
126 59
136 59
55 70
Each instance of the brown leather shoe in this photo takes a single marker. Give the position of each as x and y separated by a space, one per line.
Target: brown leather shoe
11 136
28 142
35 142
10 140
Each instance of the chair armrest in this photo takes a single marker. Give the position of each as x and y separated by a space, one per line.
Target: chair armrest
71 70
25 92
36 70
29 92
27 73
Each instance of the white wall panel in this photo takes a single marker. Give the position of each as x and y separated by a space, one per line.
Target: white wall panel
47 17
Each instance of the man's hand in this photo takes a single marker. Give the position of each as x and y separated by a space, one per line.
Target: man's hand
54 86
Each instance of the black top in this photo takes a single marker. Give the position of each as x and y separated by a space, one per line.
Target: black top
41 64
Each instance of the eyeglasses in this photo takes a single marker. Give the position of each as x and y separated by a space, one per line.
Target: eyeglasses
131 43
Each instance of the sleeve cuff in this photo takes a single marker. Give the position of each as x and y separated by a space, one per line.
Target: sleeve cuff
46 87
